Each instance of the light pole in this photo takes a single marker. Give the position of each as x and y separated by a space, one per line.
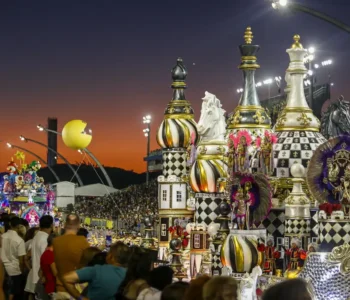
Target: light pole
87 151
282 4
268 82
25 139
147 132
37 156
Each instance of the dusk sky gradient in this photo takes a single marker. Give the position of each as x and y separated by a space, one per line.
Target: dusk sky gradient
108 63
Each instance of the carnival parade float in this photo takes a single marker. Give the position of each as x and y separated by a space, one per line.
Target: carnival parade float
24 192
261 204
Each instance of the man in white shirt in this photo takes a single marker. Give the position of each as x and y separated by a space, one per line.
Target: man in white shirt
12 255
39 245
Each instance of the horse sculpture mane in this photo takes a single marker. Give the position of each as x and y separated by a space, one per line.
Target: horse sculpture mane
336 120
212 124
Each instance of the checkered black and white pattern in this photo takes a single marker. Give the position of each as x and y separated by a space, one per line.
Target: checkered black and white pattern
314 223
294 147
207 209
333 233
297 227
274 223
174 162
216 265
325 278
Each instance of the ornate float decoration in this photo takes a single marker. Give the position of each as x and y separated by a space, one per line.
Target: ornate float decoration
329 182
25 192
177 132
249 114
336 119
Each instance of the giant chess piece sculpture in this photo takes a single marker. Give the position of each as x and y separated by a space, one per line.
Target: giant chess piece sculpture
336 120
249 114
210 164
174 136
297 127
297 207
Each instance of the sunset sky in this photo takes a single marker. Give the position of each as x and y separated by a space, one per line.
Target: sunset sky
108 62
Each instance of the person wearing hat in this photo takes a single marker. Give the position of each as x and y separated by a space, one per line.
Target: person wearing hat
270 256
296 255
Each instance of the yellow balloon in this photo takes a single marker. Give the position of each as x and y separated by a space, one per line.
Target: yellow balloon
75 135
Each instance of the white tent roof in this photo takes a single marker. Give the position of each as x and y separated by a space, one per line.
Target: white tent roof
94 190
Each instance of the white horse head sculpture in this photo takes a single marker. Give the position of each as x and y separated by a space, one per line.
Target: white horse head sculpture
212 124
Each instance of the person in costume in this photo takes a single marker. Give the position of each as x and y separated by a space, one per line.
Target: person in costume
242 203
265 146
312 248
270 256
12 169
241 153
296 255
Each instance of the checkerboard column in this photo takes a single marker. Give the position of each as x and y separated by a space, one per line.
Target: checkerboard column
333 233
175 162
207 207
216 265
274 224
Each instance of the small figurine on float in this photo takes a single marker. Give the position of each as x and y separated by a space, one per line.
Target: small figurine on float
265 152
270 256
296 256
7 185
19 183
241 142
242 201
12 168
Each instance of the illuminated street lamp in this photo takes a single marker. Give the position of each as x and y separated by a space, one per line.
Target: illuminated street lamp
292 6
25 139
147 132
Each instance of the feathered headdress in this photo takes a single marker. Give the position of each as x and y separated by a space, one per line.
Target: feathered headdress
272 137
258 141
296 241
246 134
234 139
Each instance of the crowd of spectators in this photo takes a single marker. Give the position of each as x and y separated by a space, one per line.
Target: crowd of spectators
129 205
54 264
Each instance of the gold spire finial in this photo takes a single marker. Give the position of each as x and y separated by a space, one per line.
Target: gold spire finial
248 35
297 44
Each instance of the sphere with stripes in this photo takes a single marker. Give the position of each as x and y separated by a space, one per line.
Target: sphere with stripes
208 167
240 253
177 133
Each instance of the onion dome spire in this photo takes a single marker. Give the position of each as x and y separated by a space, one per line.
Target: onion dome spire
178 129
297 115
249 113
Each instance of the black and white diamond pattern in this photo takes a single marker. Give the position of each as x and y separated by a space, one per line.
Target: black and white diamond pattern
207 209
333 233
216 265
326 280
274 223
174 163
297 227
294 147
314 223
